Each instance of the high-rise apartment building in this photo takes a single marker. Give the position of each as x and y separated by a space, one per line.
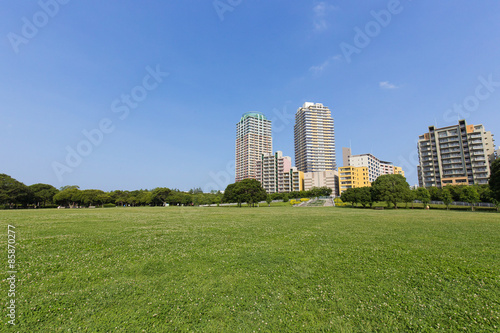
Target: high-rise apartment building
314 138
276 174
459 154
253 138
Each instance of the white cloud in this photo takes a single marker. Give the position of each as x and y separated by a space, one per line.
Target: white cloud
321 10
387 85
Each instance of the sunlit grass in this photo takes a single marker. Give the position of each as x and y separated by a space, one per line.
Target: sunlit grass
249 269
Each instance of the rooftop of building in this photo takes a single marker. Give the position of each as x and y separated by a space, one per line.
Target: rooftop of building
253 114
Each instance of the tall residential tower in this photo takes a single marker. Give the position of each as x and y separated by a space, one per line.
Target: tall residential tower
314 138
253 138
455 155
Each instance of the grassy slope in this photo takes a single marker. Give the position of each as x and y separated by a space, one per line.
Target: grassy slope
273 269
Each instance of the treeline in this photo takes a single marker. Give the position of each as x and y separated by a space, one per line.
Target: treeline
312 193
394 189
15 194
251 192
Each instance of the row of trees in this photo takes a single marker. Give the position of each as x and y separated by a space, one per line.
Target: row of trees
438 194
16 194
312 193
252 192
394 189
388 188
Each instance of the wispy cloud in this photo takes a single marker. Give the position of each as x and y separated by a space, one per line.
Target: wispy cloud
321 11
318 69
387 85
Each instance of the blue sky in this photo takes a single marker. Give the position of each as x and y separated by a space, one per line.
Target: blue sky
68 68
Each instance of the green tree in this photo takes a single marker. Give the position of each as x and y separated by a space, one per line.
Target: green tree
199 199
286 197
391 189
217 200
350 195
93 197
13 192
497 204
456 191
435 193
68 196
494 181
269 200
447 198
319 192
159 196
144 197
470 195
119 197
247 190
409 196
485 193
364 195
197 190
423 195
43 193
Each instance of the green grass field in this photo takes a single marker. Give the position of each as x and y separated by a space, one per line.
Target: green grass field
271 269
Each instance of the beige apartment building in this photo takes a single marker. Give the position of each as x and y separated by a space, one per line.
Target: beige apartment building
276 174
328 179
314 138
253 138
455 155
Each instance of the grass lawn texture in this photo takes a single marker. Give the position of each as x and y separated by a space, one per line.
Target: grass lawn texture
271 269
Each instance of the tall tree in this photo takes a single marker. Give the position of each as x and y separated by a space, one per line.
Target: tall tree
13 192
70 196
456 191
247 190
494 181
365 196
94 197
350 195
423 195
470 195
447 198
269 200
409 196
391 189
435 193
160 195
43 193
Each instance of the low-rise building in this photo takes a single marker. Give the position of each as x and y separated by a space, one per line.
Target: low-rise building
374 168
352 177
328 179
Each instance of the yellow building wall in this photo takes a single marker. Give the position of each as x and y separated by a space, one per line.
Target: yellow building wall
352 177
399 171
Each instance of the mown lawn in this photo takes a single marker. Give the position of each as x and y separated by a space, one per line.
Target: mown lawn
272 269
